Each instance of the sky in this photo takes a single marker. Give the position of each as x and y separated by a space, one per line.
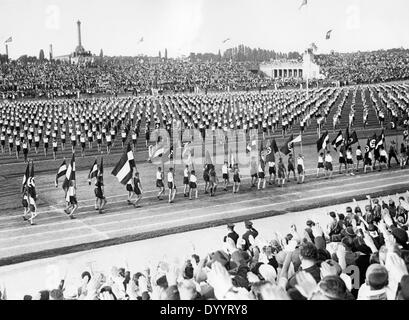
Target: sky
184 26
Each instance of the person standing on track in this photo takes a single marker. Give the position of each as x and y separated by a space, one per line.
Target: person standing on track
171 185
291 167
206 178
271 172
368 161
393 153
129 188
261 175
225 175
72 203
320 164
350 162
159 183
281 172
213 181
186 181
100 200
328 165
359 157
300 169
236 178
137 189
193 185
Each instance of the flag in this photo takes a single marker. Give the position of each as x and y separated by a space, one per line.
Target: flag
225 40
297 139
32 195
323 141
25 177
286 148
70 173
405 134
379 141
271 151
10 39
93 172
371 143
338 140
101 168
62 170
140 40
304 3
328 35
313 47
352 139
123 169
393 124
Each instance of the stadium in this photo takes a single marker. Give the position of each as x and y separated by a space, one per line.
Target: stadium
246 174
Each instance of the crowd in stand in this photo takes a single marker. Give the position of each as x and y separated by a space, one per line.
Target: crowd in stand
363 253
366 67
45 79
135 75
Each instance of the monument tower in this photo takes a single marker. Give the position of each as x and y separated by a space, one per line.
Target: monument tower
80 49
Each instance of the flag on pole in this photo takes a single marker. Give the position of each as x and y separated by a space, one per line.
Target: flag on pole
297 139
124 168
323 141
288 146
10 39
313 47
93 172
371 143
338 140
25 177
101 169
328 35
70 174
208 159
352 139
379 143
225 40
32 194
62 170
303 3
271 151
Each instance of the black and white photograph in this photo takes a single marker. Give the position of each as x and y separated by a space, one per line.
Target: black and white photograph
203 150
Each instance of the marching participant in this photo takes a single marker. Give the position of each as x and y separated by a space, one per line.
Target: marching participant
271 172
213 181
100 200
225 175
359 157
320 164
282 172
159 183
291 167
350 162
25 150
71 198
236 178
193 185
368 161
328 165
186 181
83 143
137 189
261 175
300 169
171 185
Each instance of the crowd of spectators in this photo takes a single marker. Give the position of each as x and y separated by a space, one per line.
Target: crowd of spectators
365 67
361 254
115 75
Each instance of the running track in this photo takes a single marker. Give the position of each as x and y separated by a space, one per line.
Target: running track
55 234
